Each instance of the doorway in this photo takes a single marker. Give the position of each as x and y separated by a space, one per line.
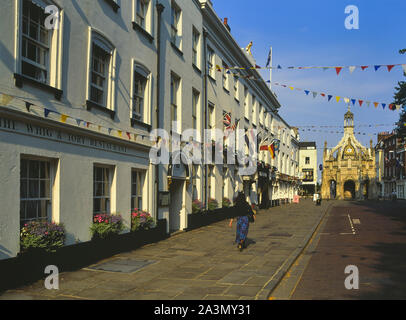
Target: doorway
349 190
333 189
175 207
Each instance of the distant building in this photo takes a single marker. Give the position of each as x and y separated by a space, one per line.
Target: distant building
349 168
392 153
308 167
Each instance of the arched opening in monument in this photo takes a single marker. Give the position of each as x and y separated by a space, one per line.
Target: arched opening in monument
366 189
349 190
333 189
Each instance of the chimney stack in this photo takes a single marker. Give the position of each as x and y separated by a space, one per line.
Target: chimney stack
226 24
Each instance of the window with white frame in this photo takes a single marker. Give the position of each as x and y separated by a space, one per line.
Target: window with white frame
176 25
261 115
236 88
195 194
195 48
35 43
101 60
175 84
225 76
254 109
39 47
246 103
211 116
210 62
195 107
35 190
141 14
101 189
140 84
137 187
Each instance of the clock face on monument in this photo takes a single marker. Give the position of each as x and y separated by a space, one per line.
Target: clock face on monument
349 151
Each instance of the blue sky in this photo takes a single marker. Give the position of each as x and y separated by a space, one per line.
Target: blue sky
312 33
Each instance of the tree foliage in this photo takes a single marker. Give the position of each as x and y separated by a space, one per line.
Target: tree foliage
400 99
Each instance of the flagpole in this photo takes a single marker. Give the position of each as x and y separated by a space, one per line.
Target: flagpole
270 69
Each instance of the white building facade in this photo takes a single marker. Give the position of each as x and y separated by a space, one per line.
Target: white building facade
308 167
78 103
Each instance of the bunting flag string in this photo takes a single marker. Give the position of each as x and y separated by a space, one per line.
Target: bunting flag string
6 99
347 100
338 69
341 126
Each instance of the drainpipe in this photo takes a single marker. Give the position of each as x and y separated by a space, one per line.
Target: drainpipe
160 8
206 178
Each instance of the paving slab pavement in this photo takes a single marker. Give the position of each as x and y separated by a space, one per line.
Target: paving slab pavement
202 264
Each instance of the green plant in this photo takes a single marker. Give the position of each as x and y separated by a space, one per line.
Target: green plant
48 236
197 206
213 204
105 225
226 202
141 220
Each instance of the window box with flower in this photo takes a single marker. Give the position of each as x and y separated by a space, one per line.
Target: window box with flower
226 202
106 226
42 236
197 206
141 220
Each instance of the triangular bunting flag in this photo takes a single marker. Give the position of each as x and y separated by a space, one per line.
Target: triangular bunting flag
325 68
338 69
376 104
99 128
346 100
329 97
364 67
307 92
390 67
323 94
377 67
109 130
383 105
28 105
63 118
78 121
88 124
368 103
218 68
353 102
360 102
398 107
279 66
5 99
291 88
129 135
46 112
352 68
338 99
392 107
120 133
314 94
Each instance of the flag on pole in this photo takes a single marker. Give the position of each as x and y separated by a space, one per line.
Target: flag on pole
271 149
269 58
